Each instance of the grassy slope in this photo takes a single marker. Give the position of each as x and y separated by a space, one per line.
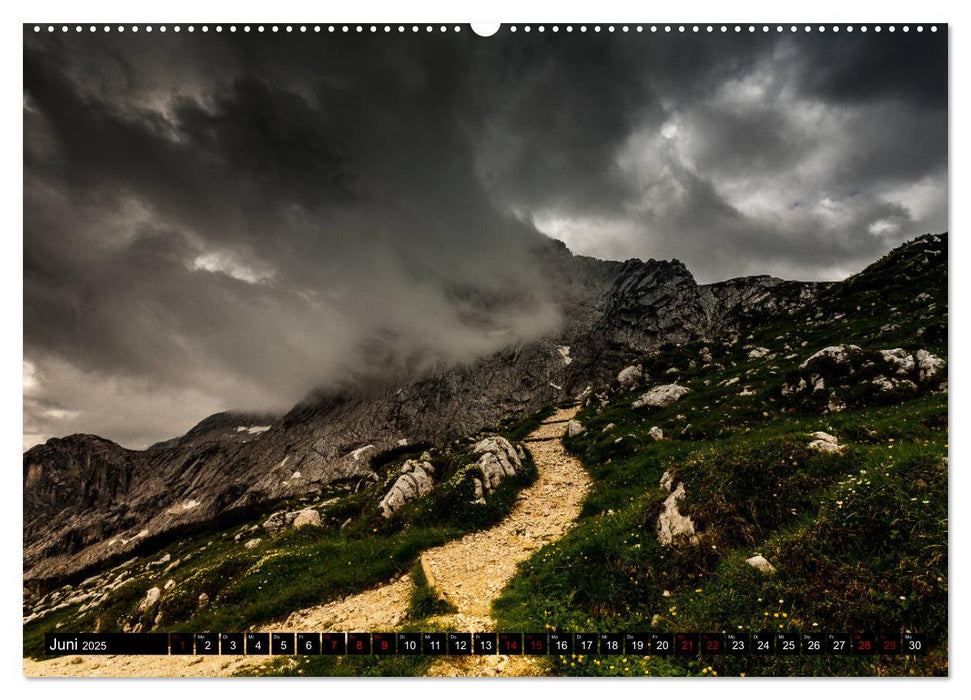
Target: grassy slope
859 539
296 568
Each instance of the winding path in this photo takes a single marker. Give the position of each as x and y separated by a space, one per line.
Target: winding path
471 571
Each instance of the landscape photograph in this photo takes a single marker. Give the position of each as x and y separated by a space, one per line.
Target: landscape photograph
574 350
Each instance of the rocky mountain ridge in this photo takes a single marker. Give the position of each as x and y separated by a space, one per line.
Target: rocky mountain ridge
88 500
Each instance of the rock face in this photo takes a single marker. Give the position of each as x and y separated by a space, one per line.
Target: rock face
661 396
414 481
497 460
87 499
672 526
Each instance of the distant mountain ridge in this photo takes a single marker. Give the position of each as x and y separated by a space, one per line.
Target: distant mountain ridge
88 500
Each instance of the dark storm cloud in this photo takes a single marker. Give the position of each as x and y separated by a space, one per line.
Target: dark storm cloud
226 221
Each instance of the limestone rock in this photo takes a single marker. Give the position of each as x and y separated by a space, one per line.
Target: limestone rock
150 599
837 354
929 365
414 481
307 518
761 564
901 360
661 396
275 522
824 442
630 377
667 481
497 460
574 428
672 526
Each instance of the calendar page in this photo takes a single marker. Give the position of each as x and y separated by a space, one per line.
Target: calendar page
529 349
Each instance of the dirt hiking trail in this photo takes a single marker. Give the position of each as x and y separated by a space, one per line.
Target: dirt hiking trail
470 571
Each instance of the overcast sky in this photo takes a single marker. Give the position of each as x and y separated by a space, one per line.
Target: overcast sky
225 221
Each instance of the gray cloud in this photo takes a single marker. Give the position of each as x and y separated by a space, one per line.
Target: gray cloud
227 221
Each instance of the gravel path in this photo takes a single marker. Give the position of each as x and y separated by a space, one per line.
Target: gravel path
471 571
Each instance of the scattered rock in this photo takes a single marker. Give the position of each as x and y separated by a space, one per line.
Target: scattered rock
672 526
656 433
761 564
307 518
170 584
574 428
609 427
203 600
824 442
250 544
497 460
667 481
661 396
837 354
630 377
414 481
901 360
929 365
150 599
758 353
275 522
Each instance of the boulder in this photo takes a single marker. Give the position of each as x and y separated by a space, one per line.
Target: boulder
929 366
150 599
307 518
760 563
661 396
656 433
203 600
824 442
758 353
574 428
630 377
837 354
275 522
497 460
667 481
672 526
250 544
901 361
414 481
